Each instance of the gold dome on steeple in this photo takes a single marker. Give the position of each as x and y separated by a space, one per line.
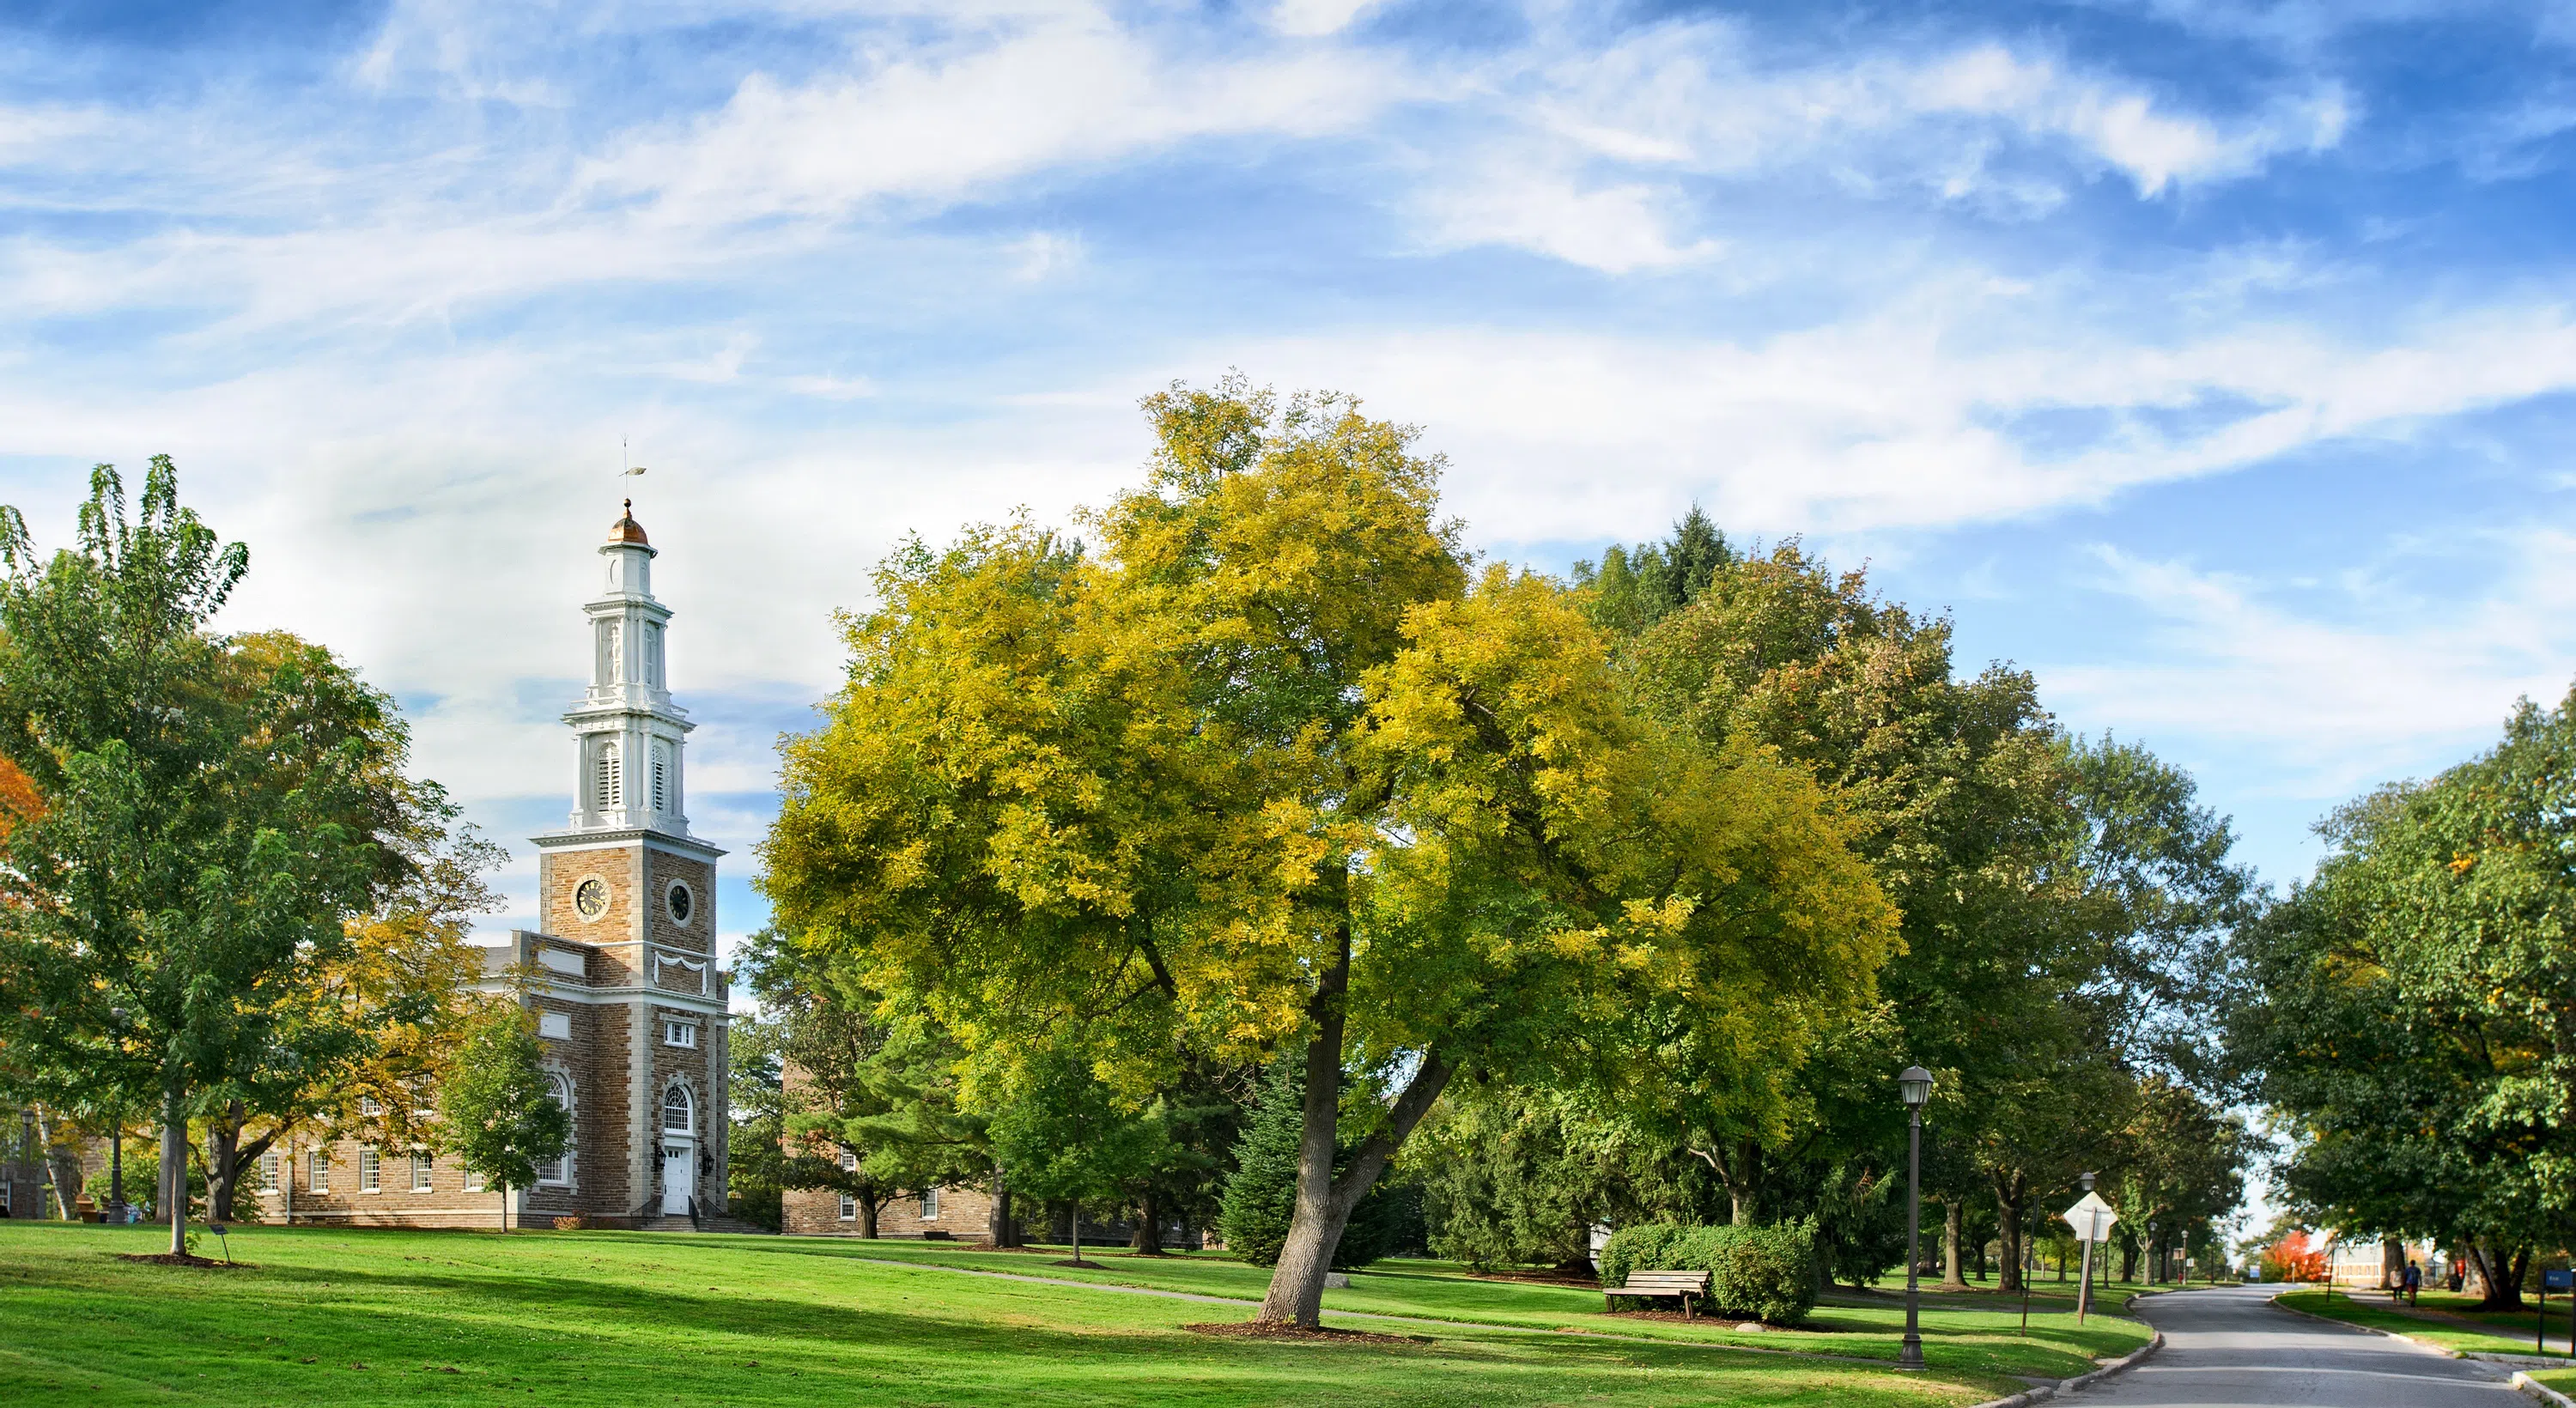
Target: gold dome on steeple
627 530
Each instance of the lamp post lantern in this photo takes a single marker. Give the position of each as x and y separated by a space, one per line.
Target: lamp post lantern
1915 1084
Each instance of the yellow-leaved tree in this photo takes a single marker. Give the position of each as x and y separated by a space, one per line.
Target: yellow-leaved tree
1265 763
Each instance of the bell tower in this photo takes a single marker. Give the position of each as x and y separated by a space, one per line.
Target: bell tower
629 995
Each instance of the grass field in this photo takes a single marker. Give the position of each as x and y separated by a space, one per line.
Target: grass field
328 1317
2483 1334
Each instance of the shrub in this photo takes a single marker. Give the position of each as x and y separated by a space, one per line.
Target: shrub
1765 1272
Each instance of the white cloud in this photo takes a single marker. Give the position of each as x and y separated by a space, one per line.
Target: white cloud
1315 17
978 109
2357 685
1905 416
1617 229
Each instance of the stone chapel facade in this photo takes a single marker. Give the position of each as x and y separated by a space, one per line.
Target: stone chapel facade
620 972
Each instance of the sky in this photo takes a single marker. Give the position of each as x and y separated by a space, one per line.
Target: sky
2213 362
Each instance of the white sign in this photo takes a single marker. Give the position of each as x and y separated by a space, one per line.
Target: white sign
2091 1218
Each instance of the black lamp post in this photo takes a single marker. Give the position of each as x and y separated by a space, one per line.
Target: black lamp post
1915 1084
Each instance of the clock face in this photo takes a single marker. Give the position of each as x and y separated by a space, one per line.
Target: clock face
682 903
590 897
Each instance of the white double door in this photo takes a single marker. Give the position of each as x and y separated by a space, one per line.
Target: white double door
679 1174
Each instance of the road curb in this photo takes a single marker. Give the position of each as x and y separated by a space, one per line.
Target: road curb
2541 1391
2045 1392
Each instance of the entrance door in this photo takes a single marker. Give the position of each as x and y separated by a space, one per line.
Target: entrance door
679 1177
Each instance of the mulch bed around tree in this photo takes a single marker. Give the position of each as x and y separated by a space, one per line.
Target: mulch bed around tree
1281 1330
166 1259
1085 1265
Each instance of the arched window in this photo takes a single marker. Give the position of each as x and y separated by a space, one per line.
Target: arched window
661 777
609 788
558 1170
679 1112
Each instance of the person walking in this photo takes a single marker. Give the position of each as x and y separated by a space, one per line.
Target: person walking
2414 1280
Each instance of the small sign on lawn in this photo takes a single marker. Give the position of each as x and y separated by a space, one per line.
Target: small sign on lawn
2091 1218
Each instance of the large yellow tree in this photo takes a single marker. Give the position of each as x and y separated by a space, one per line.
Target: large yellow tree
1265 763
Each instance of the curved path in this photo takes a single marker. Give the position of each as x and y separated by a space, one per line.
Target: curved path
2233 1347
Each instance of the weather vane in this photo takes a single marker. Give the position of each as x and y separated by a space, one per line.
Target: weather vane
630 471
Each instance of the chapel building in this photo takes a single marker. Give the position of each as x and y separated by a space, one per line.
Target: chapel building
620 973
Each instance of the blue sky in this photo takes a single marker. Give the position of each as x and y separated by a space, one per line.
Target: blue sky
2212 361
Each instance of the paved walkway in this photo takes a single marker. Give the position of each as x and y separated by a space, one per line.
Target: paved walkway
2231 1346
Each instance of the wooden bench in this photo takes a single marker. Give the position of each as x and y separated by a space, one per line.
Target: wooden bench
1684 1284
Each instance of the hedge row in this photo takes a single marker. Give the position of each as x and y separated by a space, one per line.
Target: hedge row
1765 1272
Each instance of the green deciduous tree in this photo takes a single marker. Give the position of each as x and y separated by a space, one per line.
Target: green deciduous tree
501 1116
212 818
2405 1013
1268 767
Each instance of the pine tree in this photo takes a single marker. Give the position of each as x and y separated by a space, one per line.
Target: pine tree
1261 1198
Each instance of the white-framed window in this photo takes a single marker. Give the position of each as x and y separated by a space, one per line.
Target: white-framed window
679 1110
662 778
557 1171
474 1180
653 653
609 787
849 1208
368 1107
268 1171
849 1161
930 1205
367 1169
420 1173
557 1025
679 1034
319 1180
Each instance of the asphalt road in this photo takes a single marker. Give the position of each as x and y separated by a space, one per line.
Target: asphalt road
2230 1346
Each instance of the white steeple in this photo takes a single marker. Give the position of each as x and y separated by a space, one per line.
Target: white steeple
630 734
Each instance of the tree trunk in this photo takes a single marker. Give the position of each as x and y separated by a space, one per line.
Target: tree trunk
2129 1259
1324 1203
174 1171
1001 1229
1954 1216
2392 1263
2502 1272
52 1155
1148 1240
223 1162
2008 1237
868 1204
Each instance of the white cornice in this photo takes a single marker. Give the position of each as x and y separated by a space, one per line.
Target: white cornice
618 837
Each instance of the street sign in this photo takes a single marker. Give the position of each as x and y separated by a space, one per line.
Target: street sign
2091 1218
2559 1280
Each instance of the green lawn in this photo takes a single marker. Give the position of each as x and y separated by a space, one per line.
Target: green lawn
2374 1310
599 1317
